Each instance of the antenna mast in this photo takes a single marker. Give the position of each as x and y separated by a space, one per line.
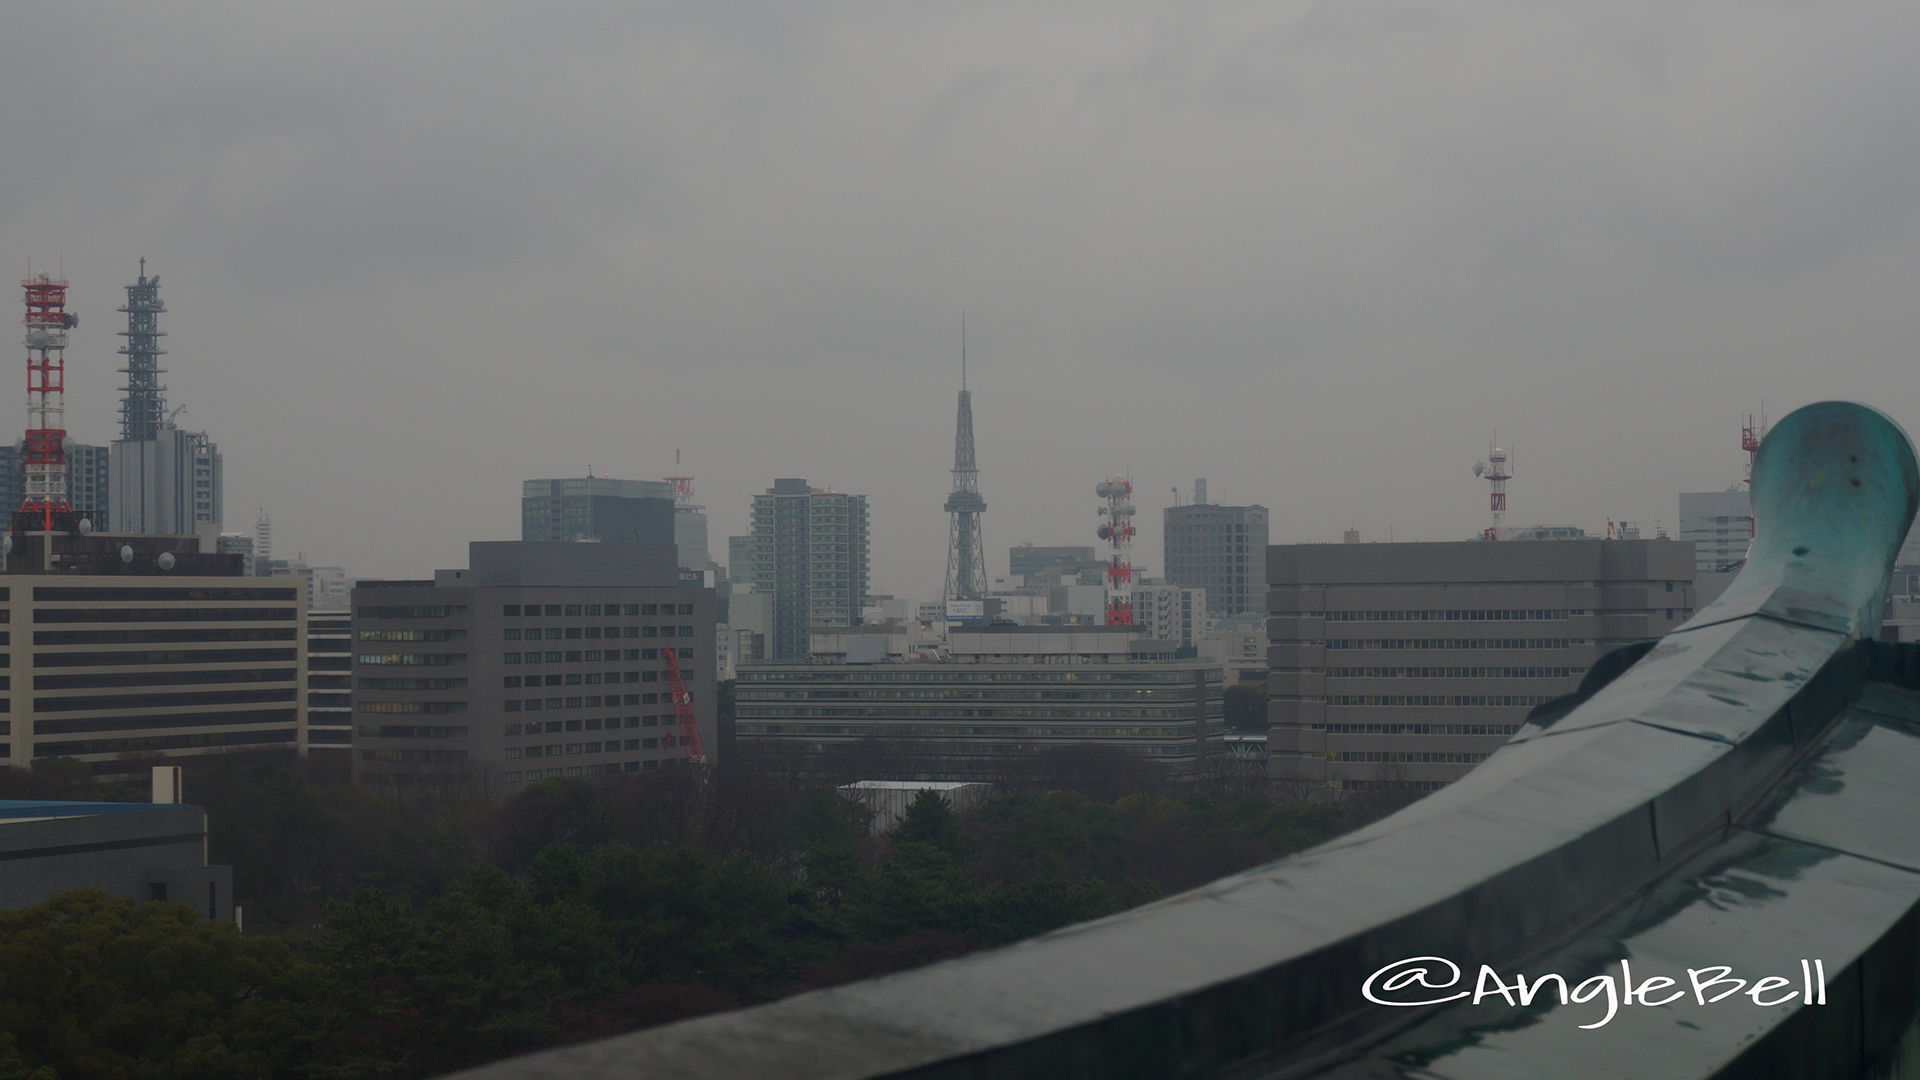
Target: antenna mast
966 558
45 448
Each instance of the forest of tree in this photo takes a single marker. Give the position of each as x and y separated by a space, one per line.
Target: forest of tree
391 941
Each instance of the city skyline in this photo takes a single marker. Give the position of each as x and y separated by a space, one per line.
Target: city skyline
1317 254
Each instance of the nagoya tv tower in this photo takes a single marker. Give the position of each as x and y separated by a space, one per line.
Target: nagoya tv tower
45 448
966 562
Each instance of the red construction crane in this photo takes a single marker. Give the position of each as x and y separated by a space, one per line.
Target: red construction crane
683 705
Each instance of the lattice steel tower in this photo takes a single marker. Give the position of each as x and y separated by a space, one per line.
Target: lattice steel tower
142 410
966 559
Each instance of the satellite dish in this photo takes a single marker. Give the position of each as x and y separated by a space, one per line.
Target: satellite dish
166 560
1479 468
126 553
6 546
86 526
66 446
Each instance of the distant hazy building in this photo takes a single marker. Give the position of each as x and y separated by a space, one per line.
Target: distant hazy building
1404 665
690 536
809 553
1720 525
1221 549
262 543
598 508
1006 696
540 660
241 544
1059 563
1171 613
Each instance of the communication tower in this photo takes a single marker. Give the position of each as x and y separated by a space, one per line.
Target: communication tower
1117 531
1495 470
143 411
1750 439
44 450
682 487
966 557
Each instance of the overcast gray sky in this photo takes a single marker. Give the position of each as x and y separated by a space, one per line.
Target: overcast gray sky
1317 252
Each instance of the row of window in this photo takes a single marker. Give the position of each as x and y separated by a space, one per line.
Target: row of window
1410 757
929 731
564 610
1474 615
411 611
124 593
1455 672
390 754
411 731
586 701
412 659
589 656
614 746
1417 729
411 707
574 633
1474 700
411 635
1181 694
591 723
959 674
530 775
1457 643
879 712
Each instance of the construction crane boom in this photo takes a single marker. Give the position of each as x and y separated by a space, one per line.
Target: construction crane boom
683 705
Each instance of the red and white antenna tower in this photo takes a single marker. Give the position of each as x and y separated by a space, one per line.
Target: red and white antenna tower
1117 531
682 486
44 450
1496 471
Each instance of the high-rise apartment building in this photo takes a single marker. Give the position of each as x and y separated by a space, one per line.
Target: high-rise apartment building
1404 665
1720 525
809 552
1221 549
540 660
597 508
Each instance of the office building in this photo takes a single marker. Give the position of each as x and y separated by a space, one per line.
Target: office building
240 544
1006 696
1719 524
1404 665
1171 613
597 508
120 648
542 659
329 676
1056 564
1220 549
809 553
